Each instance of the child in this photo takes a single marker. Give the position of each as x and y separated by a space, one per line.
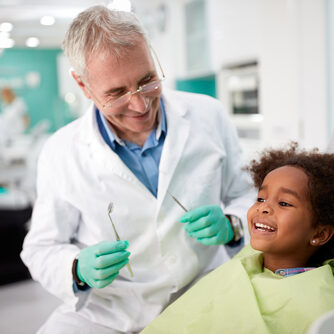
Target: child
282 282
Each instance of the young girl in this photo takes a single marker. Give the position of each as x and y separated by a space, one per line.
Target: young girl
284 280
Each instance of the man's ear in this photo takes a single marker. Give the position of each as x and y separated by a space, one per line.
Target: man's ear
322 235
81 84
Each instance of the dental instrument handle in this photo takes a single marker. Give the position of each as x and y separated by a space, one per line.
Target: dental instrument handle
177 201
118 239
130 270
114 228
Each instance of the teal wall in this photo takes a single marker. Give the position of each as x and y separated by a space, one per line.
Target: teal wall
42 100
204 85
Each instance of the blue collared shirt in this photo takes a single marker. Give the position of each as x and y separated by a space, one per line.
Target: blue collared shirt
142 161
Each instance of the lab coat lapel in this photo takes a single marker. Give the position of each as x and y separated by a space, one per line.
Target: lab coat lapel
177 135
107 161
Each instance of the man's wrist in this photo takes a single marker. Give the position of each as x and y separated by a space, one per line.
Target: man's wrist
237 228
80 284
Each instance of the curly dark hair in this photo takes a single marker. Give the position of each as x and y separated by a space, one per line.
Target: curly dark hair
319 167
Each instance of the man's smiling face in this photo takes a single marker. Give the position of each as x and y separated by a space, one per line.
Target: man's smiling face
110 77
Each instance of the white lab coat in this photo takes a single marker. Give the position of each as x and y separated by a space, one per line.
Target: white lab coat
78 175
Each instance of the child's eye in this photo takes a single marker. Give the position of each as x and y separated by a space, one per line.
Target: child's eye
284 204
261 200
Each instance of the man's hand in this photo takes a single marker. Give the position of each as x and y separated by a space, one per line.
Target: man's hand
99 265
208 224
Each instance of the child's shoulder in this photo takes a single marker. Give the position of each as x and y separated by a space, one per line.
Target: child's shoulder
330 262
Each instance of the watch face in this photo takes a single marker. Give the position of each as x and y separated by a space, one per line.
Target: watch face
237 228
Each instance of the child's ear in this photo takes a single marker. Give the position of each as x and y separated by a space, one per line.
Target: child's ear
322 235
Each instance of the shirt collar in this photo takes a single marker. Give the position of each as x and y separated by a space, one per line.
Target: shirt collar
292 271
109 133
162 124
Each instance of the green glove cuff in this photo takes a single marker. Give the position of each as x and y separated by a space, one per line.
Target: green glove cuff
78 273
229 232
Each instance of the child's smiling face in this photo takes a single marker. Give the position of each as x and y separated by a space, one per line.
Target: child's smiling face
280 222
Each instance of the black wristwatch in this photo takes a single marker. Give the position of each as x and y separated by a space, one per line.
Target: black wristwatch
237 228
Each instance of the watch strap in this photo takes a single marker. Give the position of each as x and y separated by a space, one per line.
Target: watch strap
78 282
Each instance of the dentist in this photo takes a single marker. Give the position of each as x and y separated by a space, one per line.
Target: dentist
136 144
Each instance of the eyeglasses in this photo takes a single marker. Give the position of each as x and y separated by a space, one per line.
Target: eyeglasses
150 89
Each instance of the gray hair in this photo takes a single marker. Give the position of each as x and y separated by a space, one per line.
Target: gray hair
101 29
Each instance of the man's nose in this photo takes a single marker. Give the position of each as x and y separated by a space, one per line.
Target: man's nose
138 102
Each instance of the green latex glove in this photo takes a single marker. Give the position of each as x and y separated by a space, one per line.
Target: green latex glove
99 265
208 224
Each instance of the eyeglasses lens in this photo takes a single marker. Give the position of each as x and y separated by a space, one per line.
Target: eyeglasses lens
153 88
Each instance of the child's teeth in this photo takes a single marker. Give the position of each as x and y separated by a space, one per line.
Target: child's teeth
263 226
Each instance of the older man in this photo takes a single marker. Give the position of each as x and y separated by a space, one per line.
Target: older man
133 158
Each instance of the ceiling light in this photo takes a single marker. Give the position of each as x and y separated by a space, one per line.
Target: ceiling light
32 42
123 5
6 27
47 20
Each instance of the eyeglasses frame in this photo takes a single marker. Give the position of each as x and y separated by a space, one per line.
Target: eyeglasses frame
140 88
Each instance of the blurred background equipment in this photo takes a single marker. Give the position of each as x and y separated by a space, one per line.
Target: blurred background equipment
14 119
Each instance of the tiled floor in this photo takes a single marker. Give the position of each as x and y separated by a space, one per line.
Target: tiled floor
24 306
